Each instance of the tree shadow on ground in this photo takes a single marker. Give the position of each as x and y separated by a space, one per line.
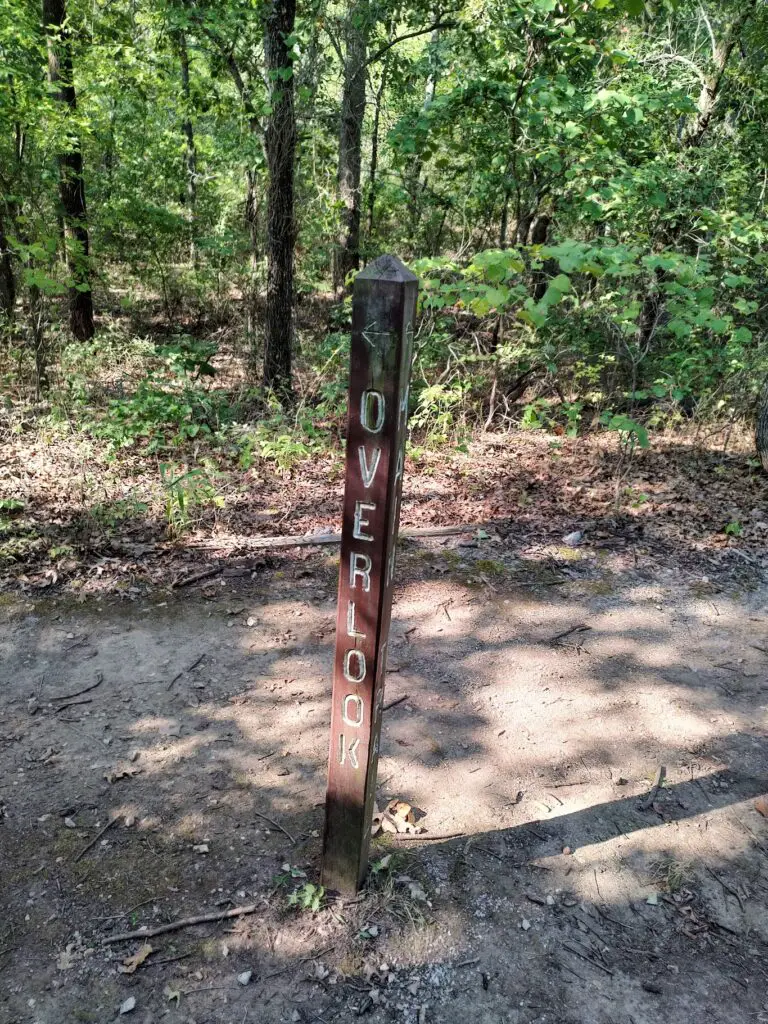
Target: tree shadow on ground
525 746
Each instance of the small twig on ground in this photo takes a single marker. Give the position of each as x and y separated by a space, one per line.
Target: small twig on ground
394 703
196 578
167 960
276 825
581 628
189 668
96 838
469 963
613 920
76 643
428 837
588 959
127 913
72 704
78 693
303 960
726 886
183 922
658 782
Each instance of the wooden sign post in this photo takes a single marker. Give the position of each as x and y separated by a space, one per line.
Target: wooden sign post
383 309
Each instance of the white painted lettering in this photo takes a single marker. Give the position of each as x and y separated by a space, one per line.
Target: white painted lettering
360 508
404 402
391 566
400 464
355 719
360 666
368 472
348 751
351 629
360 565
367 403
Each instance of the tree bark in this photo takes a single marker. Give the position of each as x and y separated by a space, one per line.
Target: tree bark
7 279
710 91
761 427
71 185
190 150
280 145
351 142
374 168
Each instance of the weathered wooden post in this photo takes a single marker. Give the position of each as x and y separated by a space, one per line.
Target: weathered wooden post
383 309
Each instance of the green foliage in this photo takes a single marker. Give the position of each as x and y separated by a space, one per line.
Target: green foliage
111 514
308 897
187 494
584 226
169 406
630 432
303 895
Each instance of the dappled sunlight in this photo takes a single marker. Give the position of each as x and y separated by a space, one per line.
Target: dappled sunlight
532 749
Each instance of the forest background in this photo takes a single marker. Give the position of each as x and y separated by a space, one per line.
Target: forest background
187 188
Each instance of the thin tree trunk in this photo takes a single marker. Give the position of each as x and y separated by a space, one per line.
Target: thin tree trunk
7 279
505 218
280 144
414 185
190 151
350 144
71 186
540 236
761 427
372 183
252 226
710 91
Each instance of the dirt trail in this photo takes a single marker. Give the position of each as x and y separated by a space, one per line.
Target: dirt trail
567 895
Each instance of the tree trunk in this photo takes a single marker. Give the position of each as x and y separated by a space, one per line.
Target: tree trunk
190 151
71 186
540 236
350 145
7 280
280 144
711 89
372 182
761 427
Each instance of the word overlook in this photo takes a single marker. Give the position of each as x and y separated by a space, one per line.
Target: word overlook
383 309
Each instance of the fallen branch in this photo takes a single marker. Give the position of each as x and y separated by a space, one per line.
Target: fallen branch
581 628
189 668
726 886
78 693
73 703
189 580
183 922
394 703
312 539
428 837
96 838
276 825
588 959
658 782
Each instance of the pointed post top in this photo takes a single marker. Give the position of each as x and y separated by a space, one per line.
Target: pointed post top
386 268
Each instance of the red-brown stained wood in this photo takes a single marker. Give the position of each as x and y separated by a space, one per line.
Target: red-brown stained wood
383 308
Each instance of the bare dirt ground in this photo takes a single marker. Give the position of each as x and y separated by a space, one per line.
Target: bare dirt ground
552 883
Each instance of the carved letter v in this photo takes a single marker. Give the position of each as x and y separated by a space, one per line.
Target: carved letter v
368 472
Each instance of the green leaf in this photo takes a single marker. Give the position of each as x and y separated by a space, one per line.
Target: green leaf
742 334
561 283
